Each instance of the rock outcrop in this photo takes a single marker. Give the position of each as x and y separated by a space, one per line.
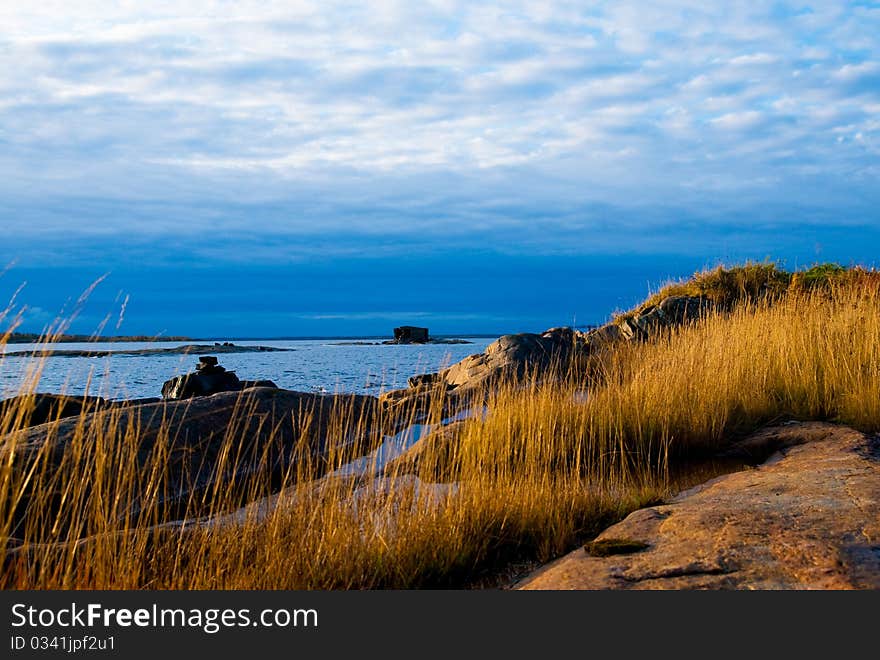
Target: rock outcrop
671 311
553 352
207 442
39 408
209 378
25 410
808 518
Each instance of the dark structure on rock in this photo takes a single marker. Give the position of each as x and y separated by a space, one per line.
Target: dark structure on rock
410 334
209 378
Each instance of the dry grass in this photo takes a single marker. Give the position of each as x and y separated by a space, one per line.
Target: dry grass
548 466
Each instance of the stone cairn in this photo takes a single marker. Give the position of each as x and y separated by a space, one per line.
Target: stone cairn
209 378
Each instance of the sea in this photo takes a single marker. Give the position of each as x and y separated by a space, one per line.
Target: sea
351 365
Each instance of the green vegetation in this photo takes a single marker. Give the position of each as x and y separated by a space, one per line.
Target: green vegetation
752 282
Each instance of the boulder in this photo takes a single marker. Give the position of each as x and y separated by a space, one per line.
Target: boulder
209 378
424 379
247 384
25 410
512 356
605 335
463 384
214 441
672 311
681 309
808 518
552 353
38 408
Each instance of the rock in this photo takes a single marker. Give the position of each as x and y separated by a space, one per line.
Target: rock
680 309
671 311
270 431
208 362
510 357
555 352
209 378
605 335
463 384
424 379
649 321
808 518
39 408
410 334
247 384
629 330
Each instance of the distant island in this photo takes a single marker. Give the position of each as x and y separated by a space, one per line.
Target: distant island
186 349
36 338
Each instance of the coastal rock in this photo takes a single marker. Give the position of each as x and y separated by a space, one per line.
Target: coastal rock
672 311
215 441
681 309
808 518
26 410
512 356
424 379
605 335
38 408
247 384
209 378
463 385
554 352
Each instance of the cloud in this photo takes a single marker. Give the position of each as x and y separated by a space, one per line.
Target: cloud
399 122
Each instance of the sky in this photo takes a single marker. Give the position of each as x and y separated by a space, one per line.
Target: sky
262 169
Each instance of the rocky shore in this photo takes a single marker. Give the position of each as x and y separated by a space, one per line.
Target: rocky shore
284 427
805 515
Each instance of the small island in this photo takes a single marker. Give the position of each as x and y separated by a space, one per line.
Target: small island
185 349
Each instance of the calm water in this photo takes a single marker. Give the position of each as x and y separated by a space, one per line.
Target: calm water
313 365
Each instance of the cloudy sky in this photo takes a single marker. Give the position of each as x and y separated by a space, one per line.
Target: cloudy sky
284 168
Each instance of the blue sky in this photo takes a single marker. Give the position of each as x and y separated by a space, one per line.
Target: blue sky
283 168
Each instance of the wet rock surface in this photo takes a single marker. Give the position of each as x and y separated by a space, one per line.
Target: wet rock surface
807 518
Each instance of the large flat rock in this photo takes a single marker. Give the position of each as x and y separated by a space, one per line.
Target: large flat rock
216 442
808 518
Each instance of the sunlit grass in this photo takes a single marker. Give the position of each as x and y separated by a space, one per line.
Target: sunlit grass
551 462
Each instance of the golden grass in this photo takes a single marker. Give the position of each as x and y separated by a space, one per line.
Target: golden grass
552 461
